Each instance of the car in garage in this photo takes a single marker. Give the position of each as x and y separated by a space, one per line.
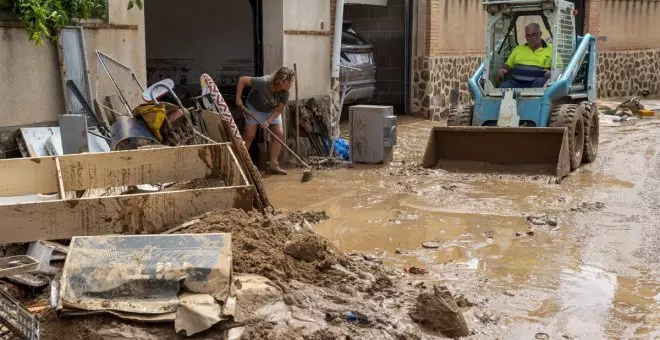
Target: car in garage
358 72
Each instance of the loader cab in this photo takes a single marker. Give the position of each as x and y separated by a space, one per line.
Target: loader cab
506 30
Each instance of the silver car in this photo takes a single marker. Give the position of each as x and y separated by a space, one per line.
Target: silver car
358 72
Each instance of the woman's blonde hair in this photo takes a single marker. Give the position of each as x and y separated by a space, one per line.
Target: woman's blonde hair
283 74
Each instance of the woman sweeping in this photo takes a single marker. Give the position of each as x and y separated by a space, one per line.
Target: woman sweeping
266 100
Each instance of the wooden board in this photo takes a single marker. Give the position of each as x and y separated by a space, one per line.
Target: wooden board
26 176
148 166
129 214
215 126
37 175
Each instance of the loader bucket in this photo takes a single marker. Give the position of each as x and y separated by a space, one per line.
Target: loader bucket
499 149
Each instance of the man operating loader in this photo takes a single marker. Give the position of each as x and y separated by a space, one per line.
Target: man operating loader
530 63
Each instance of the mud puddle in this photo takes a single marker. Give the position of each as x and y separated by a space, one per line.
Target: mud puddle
539 278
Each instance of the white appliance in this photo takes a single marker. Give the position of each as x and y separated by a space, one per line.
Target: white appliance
372 131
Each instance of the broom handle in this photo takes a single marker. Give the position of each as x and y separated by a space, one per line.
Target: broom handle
295 70
277 138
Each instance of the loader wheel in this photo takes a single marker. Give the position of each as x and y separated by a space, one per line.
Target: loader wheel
460 115
567 116
591 131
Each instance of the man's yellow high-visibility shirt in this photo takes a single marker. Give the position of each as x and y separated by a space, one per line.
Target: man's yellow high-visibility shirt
523 55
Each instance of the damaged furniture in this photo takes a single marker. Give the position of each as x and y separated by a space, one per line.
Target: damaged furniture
152 212
185 278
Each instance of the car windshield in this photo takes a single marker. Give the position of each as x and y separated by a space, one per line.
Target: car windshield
349 37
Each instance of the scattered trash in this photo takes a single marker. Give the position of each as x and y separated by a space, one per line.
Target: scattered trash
416 271
518 233
438 311
629 108
20 264
585 207
543 219
398 251
17 318
357 318
431 245
463 302
196 313
30 279
342 148
508 293
486 317
542 336
43 251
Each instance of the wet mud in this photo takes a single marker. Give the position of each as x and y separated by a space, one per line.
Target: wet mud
574 259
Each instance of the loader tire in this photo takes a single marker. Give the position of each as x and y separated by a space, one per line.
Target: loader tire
591 131
460 115
568 116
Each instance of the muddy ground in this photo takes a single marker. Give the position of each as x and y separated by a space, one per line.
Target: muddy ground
575 259
524 256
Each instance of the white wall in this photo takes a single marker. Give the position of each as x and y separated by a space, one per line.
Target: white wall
310 52
188 38
273 34
31 87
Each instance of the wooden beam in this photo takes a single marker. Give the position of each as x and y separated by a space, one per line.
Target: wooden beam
129 214
27 176
149 166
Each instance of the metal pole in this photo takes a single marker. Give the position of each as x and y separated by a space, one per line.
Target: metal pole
121 94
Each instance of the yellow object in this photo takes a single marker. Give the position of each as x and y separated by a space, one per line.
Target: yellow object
154 115
646 113
523 55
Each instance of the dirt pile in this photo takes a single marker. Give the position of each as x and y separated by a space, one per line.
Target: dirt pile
304 288
281 248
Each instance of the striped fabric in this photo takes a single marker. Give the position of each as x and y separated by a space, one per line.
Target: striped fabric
527 73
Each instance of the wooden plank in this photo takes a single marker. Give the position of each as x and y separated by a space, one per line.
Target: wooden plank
147 166
27 176
129 214
60 184
214 126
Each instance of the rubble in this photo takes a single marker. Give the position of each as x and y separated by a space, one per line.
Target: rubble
585 207
438 311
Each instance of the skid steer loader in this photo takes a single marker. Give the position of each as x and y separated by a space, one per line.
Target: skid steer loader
545 130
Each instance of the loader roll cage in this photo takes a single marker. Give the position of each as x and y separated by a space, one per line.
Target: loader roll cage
514 28
557 18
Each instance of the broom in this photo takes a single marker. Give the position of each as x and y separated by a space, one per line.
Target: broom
307 173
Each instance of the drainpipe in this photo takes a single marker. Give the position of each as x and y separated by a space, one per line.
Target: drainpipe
335 109
336 48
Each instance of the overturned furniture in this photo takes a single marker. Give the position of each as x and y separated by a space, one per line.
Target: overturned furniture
151 212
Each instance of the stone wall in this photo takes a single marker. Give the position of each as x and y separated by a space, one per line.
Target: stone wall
439 82
628 73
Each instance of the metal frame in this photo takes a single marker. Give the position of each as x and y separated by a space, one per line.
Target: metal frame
64 67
